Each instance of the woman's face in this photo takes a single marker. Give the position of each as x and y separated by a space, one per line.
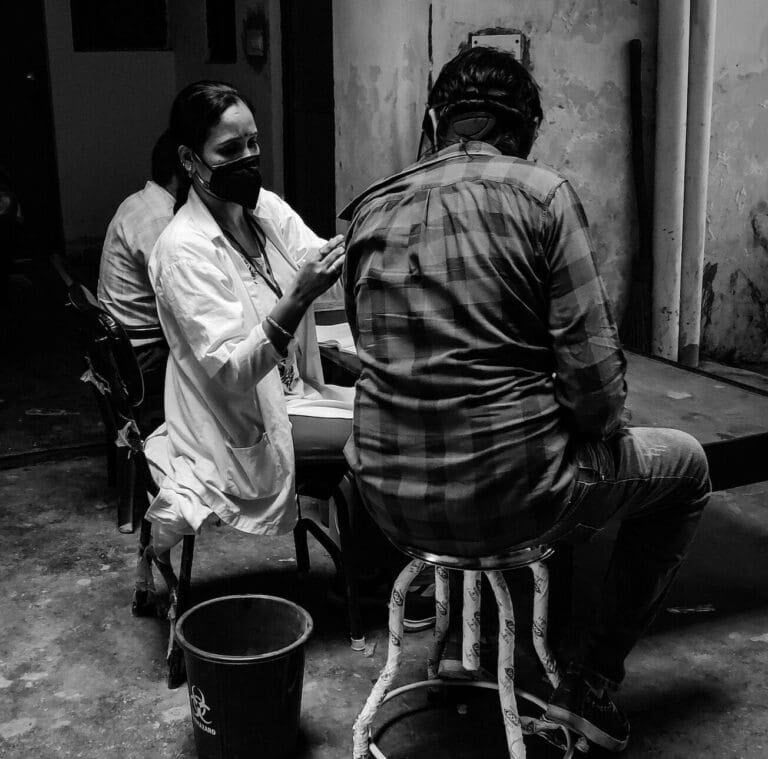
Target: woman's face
235 136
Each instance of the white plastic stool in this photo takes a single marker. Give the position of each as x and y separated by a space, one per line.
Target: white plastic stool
473 569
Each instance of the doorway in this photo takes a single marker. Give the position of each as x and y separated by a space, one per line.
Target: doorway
308 128
27 141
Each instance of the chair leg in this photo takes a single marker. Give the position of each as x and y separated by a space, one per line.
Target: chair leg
540 621
442 619
175 657
126 483
110 431
350 569
300 546
319 534
111 456
144 592
506 665
361 731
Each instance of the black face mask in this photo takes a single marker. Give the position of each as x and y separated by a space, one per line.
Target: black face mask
237 181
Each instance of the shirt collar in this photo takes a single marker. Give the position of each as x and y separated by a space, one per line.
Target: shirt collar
156 188
472 147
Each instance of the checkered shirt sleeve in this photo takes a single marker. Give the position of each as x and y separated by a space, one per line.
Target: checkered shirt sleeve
590 364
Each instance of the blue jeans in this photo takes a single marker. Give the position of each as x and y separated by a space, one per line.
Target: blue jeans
657 482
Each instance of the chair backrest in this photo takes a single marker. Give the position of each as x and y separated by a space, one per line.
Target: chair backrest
108 350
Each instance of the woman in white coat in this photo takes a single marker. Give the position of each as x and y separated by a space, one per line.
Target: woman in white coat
235 274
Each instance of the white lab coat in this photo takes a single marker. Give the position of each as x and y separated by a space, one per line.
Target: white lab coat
226 448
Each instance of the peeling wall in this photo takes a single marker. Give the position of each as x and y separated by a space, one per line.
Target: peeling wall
735 305
380 75
579 57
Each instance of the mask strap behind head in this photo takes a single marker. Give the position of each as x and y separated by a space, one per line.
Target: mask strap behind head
472 125
204 182
469 119
428 129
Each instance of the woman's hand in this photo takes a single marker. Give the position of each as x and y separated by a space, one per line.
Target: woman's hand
319 270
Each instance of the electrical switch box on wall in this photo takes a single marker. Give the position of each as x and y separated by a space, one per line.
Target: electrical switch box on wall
512 42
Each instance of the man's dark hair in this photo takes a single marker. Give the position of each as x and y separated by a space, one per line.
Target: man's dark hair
485 93
165 160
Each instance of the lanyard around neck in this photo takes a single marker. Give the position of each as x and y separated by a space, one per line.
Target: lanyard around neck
258 268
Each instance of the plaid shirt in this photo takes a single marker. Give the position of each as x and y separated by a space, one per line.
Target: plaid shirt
486 342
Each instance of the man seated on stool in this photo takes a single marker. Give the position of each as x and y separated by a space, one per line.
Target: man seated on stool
489 407
124 289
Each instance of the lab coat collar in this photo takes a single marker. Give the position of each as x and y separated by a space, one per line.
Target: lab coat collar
203 217
211 229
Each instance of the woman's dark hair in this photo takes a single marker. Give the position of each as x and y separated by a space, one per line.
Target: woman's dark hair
195 111
198 108
485 79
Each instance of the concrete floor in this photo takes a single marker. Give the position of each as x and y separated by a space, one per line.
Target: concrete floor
80 677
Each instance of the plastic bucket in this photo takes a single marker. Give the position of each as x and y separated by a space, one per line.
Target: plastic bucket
244 657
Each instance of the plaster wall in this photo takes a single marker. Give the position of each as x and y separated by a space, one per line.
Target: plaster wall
108 110
579 57
735 303
110 107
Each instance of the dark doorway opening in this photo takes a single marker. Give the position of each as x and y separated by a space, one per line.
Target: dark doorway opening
308 129
27 141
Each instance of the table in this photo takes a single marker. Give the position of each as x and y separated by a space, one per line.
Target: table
729 418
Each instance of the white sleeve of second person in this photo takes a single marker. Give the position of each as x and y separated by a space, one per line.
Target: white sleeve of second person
210 320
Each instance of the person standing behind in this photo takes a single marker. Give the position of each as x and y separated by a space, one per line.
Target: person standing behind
124 289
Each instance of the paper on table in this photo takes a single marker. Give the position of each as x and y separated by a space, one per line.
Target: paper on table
336 336
319 408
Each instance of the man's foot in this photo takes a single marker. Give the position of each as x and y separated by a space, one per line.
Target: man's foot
577 706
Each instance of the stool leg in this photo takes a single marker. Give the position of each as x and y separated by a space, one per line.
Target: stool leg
540 620
442 618
362 728
470 638
506 665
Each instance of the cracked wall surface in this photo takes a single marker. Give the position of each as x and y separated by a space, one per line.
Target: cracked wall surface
578 53
734 315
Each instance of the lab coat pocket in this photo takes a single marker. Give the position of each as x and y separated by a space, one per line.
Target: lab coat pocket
254 471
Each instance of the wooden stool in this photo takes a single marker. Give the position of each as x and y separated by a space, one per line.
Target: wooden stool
473 569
